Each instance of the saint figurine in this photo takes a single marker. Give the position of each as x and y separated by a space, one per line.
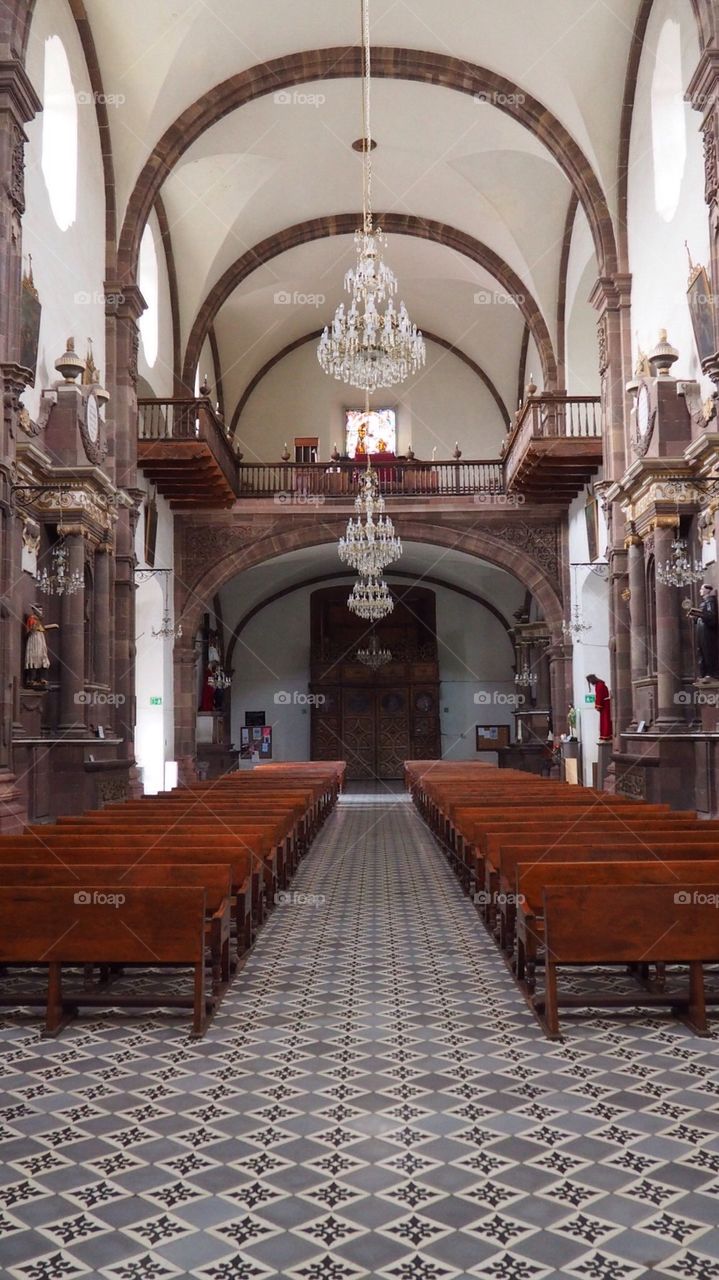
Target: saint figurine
572 723
707 623
37 660
603 705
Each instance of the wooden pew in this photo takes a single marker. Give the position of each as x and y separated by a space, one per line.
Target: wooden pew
600 866
214 879
247 885
626 925
152 926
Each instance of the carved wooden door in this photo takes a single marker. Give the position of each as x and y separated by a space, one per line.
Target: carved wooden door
392 733
359 732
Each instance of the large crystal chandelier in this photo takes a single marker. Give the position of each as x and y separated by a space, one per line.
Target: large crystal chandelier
678 570
370 345
370 598
370 543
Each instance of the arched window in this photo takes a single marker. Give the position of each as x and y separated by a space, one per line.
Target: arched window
150 319
669 136
59 134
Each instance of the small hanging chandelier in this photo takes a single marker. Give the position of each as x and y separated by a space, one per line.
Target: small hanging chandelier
58 581
167 630
374 657
219 679
679 570
368 346
574 626
370 598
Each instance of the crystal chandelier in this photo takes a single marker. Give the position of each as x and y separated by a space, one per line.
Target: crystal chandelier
58 581
220 680
370 598
574 626
374 657
370 543
167 629
371 345
525 678
678 570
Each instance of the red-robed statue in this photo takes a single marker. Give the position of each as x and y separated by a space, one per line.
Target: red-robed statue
603 705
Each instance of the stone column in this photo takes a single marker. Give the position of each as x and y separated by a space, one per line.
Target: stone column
620 642
18 104
637 614
124 305
72 640
703 93
102 624
668 628
185 662
611 298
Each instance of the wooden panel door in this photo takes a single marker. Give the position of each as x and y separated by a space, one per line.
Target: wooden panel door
392 734
359 730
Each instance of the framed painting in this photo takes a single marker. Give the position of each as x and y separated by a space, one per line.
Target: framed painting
701 310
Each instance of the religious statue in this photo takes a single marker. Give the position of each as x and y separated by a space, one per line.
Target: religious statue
37 660
603 705
572 723
707 623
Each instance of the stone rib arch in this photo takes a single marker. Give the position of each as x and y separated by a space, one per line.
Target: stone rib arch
423 66
393 224
315 336
196 584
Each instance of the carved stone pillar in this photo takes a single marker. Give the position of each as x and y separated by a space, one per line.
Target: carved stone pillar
620 646
185 661
102 614
18 104
668 628
611 298
124 305
72 641
703 93
637 615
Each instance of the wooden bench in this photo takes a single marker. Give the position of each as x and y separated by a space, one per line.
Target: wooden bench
627 925
214 879
47 925
601 866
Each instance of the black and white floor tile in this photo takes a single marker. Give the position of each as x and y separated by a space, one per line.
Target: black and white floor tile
373 1098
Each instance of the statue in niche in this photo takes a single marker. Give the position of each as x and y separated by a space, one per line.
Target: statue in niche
37 660
706 618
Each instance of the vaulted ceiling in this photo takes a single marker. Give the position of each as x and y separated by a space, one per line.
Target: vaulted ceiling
240 116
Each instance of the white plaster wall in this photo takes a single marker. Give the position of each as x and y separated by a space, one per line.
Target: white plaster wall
591 651
273 657
154 731
657 256
444 403
68 266
581 351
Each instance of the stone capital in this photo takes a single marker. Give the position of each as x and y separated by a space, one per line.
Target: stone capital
123 301
17 95
703 88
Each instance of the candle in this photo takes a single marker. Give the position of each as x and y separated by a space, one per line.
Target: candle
434 453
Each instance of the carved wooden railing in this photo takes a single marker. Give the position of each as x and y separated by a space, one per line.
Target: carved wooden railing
314 481
189 419
550 416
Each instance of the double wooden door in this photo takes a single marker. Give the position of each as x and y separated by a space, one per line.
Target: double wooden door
376 729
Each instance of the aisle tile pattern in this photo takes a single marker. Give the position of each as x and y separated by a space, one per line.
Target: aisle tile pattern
374 1098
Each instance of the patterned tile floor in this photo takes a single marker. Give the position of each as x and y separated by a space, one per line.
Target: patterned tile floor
373 1098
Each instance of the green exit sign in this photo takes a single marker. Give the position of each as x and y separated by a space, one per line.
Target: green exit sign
155 702
589 698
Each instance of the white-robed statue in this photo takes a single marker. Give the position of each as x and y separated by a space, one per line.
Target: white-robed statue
37 660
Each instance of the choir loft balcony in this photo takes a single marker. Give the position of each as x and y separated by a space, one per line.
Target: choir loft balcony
397 477
184 449
554 447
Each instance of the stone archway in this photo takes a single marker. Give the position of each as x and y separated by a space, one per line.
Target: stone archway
393 224
211 555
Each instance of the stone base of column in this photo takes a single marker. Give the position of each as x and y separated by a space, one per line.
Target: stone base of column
13 815
187 774
135 789
604 760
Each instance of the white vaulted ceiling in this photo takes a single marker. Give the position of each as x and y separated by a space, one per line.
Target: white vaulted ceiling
441 156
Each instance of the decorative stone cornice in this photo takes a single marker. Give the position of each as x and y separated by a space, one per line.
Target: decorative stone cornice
123 301
664 521
17 94
701 91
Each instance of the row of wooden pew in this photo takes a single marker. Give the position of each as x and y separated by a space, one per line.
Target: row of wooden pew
182 878
577 877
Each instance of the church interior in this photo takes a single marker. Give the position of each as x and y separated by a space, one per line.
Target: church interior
359 639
